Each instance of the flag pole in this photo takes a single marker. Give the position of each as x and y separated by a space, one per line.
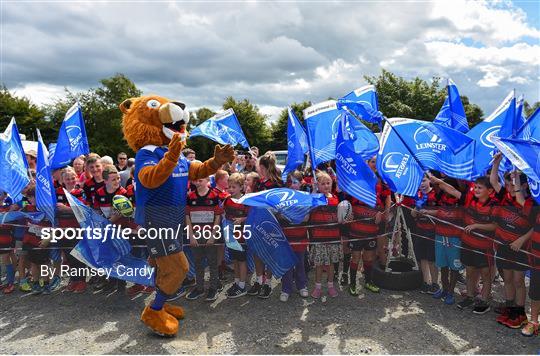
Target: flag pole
311 161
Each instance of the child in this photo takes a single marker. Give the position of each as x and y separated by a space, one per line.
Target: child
327 248
270 178
477 255
7 245
221 179
534 286
297 236
202 216
237 214
91 185
251 182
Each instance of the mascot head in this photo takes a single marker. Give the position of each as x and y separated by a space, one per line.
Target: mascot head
152 120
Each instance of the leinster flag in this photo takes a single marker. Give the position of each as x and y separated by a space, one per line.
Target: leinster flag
452 113
45 192
353 174
364 103
222 128
322 121
12 216
297 144
14 168
269 242
531 128
72 140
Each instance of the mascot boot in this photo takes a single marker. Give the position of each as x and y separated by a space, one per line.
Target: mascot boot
154 127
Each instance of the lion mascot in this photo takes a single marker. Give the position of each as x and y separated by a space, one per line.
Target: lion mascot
154 127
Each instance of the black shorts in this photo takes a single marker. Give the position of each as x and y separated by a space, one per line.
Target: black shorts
507 253
369 244
424 249
479 259
236 255
38 256
534 286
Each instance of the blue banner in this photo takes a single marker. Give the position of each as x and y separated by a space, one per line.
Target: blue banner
364 103
292 204
107 251
222 128
353 174
14 168
322 121
297 144
269 242
530 130
72 139
16 215
452 113
45 192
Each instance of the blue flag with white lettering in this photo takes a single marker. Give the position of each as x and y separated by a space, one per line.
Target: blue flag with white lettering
72 139
322 120
452 113
484 132
222 128
45 192
292 204
297 144
103 249
14 168
364 103
353 174
268 241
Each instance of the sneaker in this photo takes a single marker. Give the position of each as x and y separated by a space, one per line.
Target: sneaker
424 288
135 289
481 307
372 287
80 287
440 294
189 282
195 294
8 288
332 292
182 291
70 286
235 291
220 287
148 290
94 280
47 289
316 293
449 299
433 288
284 297
353 290
255 289
461 279
36 288
467 302
211 295
55 283
25 286
344 281
101 285
265 291
531 329
516 322
304 293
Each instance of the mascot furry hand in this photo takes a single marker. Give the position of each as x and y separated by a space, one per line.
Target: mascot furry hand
154 127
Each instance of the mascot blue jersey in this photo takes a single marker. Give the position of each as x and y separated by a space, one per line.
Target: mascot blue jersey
164 206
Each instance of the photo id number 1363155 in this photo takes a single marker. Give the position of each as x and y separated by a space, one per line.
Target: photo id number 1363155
217 232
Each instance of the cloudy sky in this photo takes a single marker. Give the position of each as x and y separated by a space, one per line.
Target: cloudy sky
273 53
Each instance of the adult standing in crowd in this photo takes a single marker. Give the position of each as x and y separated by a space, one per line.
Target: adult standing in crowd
122 160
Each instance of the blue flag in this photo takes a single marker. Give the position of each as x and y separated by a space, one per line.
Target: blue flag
292 204
297 144
107 251
322 120
14 168
269 242
45 192
353 174
455 140
530 130
72 139
364 103
222 128
484 132
11 216
228 235
452 113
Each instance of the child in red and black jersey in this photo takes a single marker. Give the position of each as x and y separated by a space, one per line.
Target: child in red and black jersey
221 179
237 214
270 177
7 245
297 237
477 254
91 185
326 249
203 215
532 326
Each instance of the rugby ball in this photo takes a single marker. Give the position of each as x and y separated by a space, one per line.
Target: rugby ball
344 211
123 205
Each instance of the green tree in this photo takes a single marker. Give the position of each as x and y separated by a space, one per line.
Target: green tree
279 128
530 109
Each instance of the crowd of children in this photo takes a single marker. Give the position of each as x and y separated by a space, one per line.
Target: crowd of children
470 231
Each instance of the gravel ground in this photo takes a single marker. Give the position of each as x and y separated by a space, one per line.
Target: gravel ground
391 322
